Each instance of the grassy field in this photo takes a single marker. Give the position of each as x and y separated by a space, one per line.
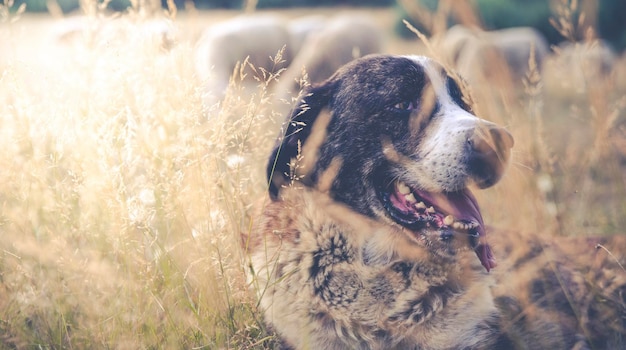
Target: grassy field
122 197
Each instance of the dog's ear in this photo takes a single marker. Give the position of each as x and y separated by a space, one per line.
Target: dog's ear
299 126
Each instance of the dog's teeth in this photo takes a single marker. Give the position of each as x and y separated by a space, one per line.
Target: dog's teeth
448 220
410 198
420 205
460 225
468 225
403 188
430 210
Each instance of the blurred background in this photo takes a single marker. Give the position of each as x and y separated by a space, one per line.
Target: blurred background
606 15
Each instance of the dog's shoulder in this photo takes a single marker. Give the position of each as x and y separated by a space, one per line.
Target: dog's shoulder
561 292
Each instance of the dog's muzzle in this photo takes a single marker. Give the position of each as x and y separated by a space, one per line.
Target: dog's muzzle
490 150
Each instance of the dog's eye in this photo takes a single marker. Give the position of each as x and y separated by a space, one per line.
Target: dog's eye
405 106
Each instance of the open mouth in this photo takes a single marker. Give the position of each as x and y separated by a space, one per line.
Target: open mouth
452 211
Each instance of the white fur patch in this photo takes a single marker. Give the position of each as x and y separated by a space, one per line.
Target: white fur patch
445 144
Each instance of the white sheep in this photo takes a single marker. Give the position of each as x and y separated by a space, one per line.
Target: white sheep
339 41
301 28
493 55
573 67
159 32
256 37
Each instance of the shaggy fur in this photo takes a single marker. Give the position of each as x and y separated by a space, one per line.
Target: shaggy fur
372 239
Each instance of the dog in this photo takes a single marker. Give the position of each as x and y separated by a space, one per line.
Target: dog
372 238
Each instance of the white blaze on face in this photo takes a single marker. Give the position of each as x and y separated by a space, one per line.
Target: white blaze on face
442 154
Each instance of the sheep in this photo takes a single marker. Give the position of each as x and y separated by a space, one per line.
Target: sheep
300 29
452 44
158 32
498 56
573 67
342 39
222 45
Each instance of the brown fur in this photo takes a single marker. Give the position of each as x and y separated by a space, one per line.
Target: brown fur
561 292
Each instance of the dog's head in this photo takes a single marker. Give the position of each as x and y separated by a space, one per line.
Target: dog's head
393 138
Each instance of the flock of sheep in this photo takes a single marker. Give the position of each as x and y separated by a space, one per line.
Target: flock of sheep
503 56
318 44
313 44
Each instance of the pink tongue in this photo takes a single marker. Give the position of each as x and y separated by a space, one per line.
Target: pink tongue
463 206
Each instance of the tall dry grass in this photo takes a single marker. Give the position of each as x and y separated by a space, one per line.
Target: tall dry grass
568 119
122 196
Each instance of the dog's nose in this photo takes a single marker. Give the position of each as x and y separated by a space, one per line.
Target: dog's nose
490 150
